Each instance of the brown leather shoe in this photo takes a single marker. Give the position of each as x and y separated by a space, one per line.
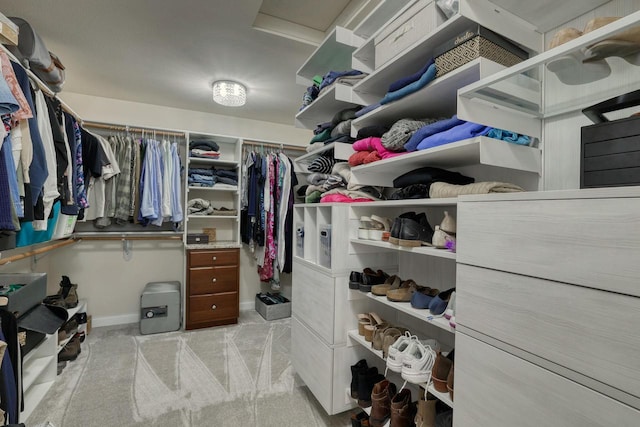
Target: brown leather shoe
381 397
402 410
450 380
389 337
440 372
392 282
403 293
426 413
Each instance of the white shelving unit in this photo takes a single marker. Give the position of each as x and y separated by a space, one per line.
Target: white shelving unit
220 195
475 151
423 250
80 308
323 107
423 315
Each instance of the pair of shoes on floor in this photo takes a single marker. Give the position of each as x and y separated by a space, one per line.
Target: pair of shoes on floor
363 378
413 358
411 229
388 403
589 65
67 295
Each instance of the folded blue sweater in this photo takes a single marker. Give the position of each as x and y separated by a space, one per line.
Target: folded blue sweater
428 130
505 135
424 80
457 133
399 84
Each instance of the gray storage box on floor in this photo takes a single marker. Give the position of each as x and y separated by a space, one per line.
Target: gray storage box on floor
33 291
275 311
160 308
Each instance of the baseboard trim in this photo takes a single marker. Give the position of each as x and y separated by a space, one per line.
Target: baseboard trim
125 319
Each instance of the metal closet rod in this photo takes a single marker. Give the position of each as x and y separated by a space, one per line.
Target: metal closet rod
124 236
279 146
52 246
132 129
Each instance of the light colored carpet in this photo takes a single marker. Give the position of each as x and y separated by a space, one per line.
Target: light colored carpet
238 375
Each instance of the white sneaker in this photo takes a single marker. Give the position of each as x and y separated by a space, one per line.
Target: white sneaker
417 363
396 351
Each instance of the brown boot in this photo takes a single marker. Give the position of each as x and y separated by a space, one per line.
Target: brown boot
450 380
402 410
426 415
440 372
381 397
70 351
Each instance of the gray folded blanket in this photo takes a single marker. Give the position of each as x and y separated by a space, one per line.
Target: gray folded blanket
443 189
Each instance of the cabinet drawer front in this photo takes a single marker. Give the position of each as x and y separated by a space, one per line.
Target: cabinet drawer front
213 258
212 280
592 332
495 389
312 359
589 242
312 296
203 308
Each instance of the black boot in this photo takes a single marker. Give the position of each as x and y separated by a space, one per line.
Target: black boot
356 369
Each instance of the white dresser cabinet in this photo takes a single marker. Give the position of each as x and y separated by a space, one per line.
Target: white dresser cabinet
548 305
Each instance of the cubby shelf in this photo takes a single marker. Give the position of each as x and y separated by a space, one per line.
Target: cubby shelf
214 188
444 397
323 108
424 250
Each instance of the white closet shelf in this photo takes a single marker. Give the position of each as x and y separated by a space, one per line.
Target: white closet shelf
82 304
450 201
383 13
423 315
213 162
480 150
311 156
416 56
509 97
437 99
333 54
423 250
214 188
33 396
443 397
213 217
323 108
36 368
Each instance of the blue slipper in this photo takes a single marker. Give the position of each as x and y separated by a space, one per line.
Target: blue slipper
439 303
422 297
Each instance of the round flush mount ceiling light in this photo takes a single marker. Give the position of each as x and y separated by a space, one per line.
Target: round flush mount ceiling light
229 93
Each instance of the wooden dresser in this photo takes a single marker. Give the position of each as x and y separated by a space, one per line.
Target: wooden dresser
212 287
547 307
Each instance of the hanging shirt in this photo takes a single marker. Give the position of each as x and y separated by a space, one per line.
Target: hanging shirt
123 190
166 178
176 199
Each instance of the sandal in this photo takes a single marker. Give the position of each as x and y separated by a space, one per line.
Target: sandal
375 321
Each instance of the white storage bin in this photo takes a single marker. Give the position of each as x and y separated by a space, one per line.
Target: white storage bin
325 245
417 21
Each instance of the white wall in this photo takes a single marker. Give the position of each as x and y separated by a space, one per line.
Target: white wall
111 284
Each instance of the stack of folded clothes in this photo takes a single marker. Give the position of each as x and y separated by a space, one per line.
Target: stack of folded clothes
204 149
200 206
337 130
336 187
208 177
321 84
410 84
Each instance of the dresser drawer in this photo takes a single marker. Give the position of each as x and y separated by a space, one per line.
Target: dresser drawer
496 389
589 242
213 258
591 332
209 280
204 308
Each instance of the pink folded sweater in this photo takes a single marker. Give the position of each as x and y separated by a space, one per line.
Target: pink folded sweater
374 143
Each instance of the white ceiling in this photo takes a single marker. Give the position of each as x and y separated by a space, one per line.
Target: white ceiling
168 52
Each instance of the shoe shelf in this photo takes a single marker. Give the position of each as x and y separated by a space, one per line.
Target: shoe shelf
423 315
424 250
506 99
480 150
437 99
82 306
33 396
324 107
443 397
36 367
213 217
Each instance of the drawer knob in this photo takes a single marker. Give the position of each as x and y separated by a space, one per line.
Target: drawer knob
213 307
215 258
214 280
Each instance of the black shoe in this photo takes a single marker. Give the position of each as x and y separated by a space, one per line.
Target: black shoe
360 367
81 318
366 381
370 278
355 279
394 233
415 232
